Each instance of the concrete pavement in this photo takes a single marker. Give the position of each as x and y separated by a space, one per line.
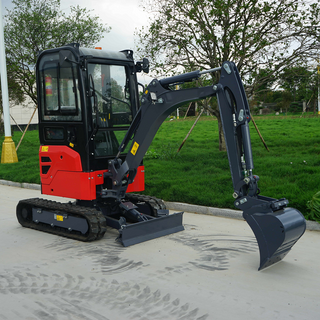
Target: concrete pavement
209 271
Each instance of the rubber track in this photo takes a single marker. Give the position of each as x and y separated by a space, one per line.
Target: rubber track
153 202
95 219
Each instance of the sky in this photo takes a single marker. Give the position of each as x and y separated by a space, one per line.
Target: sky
123 16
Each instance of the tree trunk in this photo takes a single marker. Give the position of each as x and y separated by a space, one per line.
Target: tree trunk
216 112
222 141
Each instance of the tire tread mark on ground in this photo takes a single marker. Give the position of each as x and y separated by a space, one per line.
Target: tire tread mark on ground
65 296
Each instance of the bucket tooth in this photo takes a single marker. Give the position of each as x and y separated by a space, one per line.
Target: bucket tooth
276 233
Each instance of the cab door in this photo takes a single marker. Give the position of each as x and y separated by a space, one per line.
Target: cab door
111 108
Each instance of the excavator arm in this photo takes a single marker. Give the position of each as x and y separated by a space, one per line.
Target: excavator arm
158 102
276 227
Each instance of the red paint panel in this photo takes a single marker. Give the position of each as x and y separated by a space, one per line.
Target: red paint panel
58 158
138 182
61 175
66 184
76 185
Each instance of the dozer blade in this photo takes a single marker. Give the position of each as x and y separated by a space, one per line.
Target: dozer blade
276 233
131 234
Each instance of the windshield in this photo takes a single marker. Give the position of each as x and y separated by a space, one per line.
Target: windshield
110 105
110 87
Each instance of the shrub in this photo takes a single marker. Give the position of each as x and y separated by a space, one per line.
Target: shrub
314 207
295 107
266 111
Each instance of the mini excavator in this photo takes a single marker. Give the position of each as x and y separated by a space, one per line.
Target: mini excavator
94 132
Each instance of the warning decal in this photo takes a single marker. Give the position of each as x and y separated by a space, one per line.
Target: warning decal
135 148
58 217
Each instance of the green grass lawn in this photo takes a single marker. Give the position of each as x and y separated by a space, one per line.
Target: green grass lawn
200 174
27 167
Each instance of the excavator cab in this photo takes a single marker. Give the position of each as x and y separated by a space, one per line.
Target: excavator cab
88 99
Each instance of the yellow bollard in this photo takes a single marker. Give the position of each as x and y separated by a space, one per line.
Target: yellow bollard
9 153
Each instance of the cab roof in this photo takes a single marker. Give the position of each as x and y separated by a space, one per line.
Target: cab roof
126 55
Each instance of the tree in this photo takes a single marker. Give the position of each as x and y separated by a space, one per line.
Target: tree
264 77
299 81
286 100
186 35
35 25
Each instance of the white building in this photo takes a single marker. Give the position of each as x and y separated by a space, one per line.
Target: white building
21 114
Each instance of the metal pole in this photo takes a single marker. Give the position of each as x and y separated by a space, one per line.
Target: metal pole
318 72
9 153
318 96
210 70
4 81
177 88
318 90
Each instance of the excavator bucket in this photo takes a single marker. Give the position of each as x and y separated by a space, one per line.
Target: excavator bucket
276 233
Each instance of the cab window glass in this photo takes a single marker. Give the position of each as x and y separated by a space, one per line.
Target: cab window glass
110 100
59 89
